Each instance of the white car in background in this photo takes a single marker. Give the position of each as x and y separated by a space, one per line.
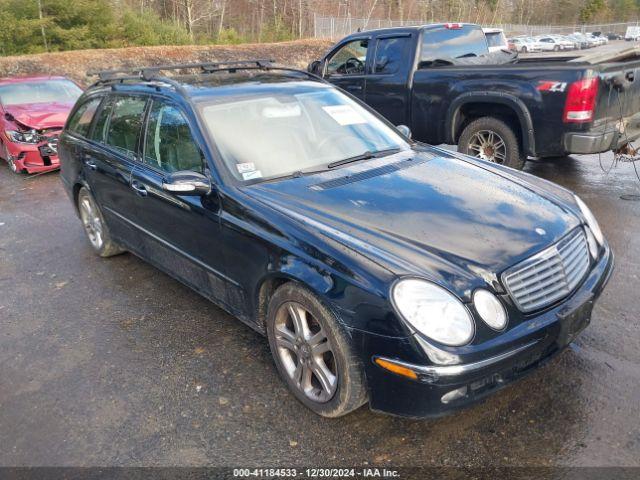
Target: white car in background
496 40
632 34
552 43
525 44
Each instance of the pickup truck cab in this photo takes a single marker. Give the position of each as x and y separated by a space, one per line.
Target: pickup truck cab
442 82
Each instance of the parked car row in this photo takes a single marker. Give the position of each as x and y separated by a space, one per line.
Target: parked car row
555 43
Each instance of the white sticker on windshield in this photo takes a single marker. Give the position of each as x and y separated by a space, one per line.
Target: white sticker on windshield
252 175
344 114
245 167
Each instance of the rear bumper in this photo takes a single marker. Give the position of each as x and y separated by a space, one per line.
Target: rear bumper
598 140
535 342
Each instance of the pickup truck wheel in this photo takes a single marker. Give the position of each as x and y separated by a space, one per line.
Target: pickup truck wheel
313 354
493 140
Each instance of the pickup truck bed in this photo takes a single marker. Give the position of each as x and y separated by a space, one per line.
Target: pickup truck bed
534 107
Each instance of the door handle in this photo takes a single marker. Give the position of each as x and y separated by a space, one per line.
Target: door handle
354 87
139 188
90 163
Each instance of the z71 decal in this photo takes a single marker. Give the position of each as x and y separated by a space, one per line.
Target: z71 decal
550 86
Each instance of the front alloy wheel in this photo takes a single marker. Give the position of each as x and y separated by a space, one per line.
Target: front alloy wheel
306 353
312 352
12 165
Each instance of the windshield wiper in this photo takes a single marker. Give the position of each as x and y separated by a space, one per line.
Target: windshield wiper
364 156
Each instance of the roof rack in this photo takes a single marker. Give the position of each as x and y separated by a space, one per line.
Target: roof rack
151 73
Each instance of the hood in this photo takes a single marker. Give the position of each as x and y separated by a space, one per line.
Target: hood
40 115
427 214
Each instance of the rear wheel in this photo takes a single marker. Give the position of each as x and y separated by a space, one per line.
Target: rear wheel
493 140
95 227
524 50
556 48
313 354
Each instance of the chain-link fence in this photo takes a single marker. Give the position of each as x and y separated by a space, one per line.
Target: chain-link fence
338 27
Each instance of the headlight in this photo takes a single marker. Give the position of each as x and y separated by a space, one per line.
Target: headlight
591 220
24 137
433 311
490 309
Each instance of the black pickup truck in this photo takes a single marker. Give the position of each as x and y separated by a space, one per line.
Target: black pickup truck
442 82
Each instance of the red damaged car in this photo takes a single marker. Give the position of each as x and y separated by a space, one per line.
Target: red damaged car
33 111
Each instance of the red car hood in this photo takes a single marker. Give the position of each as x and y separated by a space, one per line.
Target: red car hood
40 115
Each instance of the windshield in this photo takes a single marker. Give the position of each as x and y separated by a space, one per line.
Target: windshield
270 135
45 91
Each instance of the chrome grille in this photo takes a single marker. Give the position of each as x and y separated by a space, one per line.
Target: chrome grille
549 275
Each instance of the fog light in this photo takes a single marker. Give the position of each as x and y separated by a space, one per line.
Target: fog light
490 309
454 394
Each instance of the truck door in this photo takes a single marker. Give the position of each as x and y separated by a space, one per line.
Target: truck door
346 66
387 88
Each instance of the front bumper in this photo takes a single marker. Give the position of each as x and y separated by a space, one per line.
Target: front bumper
532 343
33 158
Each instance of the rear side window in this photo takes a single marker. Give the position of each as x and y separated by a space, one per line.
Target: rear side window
389 54
450 43
125 123
80 121
169 145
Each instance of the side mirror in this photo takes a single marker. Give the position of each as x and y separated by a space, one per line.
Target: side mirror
404 130
314 67
187 183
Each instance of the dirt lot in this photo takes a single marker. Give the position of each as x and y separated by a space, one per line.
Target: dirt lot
77 63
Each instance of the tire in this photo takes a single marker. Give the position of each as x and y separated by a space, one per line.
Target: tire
13 167
524 50
95 227
556 48
298 359
500 143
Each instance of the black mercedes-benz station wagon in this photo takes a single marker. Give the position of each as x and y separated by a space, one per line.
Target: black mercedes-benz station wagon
381 270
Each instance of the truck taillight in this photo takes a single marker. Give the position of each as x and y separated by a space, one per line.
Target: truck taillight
581 101
453 26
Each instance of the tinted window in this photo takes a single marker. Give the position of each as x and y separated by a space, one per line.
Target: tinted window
389 54
447 43
45 91
102 120
125 123
169 144
81 119
349 59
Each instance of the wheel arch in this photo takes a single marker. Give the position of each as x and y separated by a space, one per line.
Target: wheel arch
296 271
508 107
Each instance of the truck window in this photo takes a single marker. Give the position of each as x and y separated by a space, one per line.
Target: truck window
349 59
389 54
450 43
